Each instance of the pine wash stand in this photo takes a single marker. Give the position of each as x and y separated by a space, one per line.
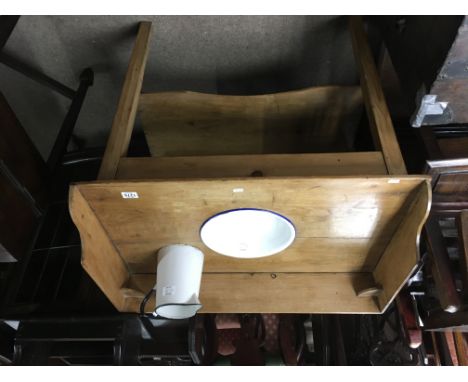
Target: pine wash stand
358 215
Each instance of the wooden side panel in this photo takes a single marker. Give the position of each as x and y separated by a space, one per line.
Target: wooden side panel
401 256
273 293
124 119
99 256
239 166
310 120
374 99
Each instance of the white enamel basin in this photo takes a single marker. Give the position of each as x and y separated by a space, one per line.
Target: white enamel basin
247 233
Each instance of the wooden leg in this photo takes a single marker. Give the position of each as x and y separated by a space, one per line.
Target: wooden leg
435 349
379 117
462 225
461 348
124 119
443 277
409 319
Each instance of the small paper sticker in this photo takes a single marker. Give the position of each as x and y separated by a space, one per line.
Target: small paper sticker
238 190
394 180
130 195
168 290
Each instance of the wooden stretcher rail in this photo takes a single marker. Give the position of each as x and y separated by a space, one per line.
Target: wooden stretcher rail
369 163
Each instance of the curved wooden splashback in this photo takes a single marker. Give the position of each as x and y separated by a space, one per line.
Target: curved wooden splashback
317 119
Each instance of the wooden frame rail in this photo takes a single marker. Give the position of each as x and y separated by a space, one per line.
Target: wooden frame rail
380 121
355 163
379 117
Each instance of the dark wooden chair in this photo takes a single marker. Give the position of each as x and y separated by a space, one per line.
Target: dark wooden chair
446 231
29 188
445 237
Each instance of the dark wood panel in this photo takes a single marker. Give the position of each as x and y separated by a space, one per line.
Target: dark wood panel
17 222
22 186
450 184
418 46
19 154
454 147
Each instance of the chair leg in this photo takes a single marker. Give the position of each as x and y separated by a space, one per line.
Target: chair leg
443 277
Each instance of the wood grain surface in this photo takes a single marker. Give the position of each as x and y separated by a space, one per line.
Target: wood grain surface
239 166
344 225
274 293
303 121
401 256
374 99
124 119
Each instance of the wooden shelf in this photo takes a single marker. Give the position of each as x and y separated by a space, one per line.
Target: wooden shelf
345 227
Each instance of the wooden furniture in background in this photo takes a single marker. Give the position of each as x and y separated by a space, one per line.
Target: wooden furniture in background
449 172
358 214
449 184
429 56
450 201
22 186
25 179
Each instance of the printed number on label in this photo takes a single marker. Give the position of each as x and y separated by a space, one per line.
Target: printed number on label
129 195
